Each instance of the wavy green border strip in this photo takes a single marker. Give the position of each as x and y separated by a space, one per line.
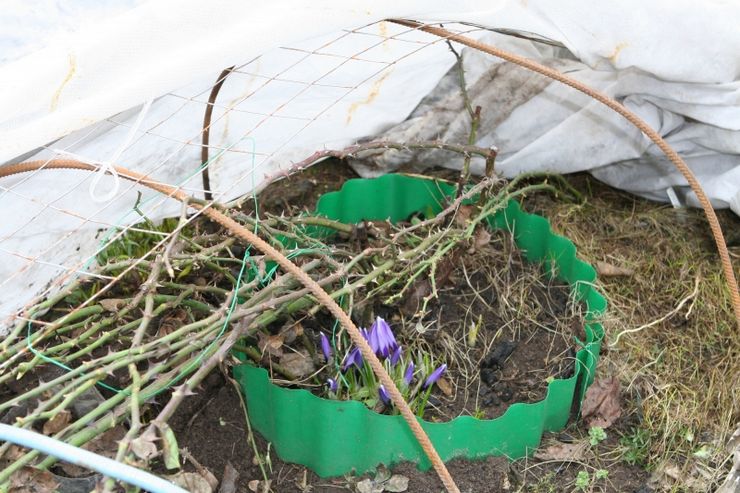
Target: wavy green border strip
337 437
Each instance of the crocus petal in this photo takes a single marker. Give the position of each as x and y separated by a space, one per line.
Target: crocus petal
396 355
353 358
325 346
358 358
384 395
333 385
409 375
372 339
431 379
386 341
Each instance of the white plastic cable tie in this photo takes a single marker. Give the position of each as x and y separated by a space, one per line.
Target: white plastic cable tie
107 166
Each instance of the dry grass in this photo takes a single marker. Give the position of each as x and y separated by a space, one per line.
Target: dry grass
680 374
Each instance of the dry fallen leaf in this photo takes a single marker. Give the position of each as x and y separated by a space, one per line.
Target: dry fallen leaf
172 321
14 452
291 331
382 475
31 480
191 481
229 479
445 386
602 404
463 215
383 481
668 475
369 486
270 344
143 447
563 451
609 270
57 423
107 443
506 485
259 486
299 363
420 289
200 468
112 304
481 238
396 484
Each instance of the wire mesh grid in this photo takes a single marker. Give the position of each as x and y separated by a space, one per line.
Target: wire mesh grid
271 112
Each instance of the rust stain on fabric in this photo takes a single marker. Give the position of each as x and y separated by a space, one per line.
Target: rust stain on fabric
383 29
70 73
374 91
617 50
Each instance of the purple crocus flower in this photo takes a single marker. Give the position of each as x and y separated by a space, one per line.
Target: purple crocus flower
372 339
382 333
396 355
431 379
354 357
384 395
409 375
325 346
333 385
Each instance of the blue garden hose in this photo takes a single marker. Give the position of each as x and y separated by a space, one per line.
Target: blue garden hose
84 458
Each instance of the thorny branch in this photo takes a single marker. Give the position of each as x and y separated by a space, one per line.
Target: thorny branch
357 149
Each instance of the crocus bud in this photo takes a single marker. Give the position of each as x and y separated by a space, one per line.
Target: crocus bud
396 356
409 375
325 346
372 339
384 395
332 384
382 333
431 379
354 357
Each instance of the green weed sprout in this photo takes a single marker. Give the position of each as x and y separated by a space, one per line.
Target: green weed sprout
583 480
596 435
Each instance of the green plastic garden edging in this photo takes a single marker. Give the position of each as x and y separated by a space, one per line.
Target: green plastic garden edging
337 437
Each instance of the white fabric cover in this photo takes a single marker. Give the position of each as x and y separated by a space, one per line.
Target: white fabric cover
74 75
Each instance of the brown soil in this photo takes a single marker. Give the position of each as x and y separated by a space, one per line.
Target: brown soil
526 335
211 427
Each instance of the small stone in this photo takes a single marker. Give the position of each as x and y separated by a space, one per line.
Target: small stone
499 354
489 376
491 400
504 392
